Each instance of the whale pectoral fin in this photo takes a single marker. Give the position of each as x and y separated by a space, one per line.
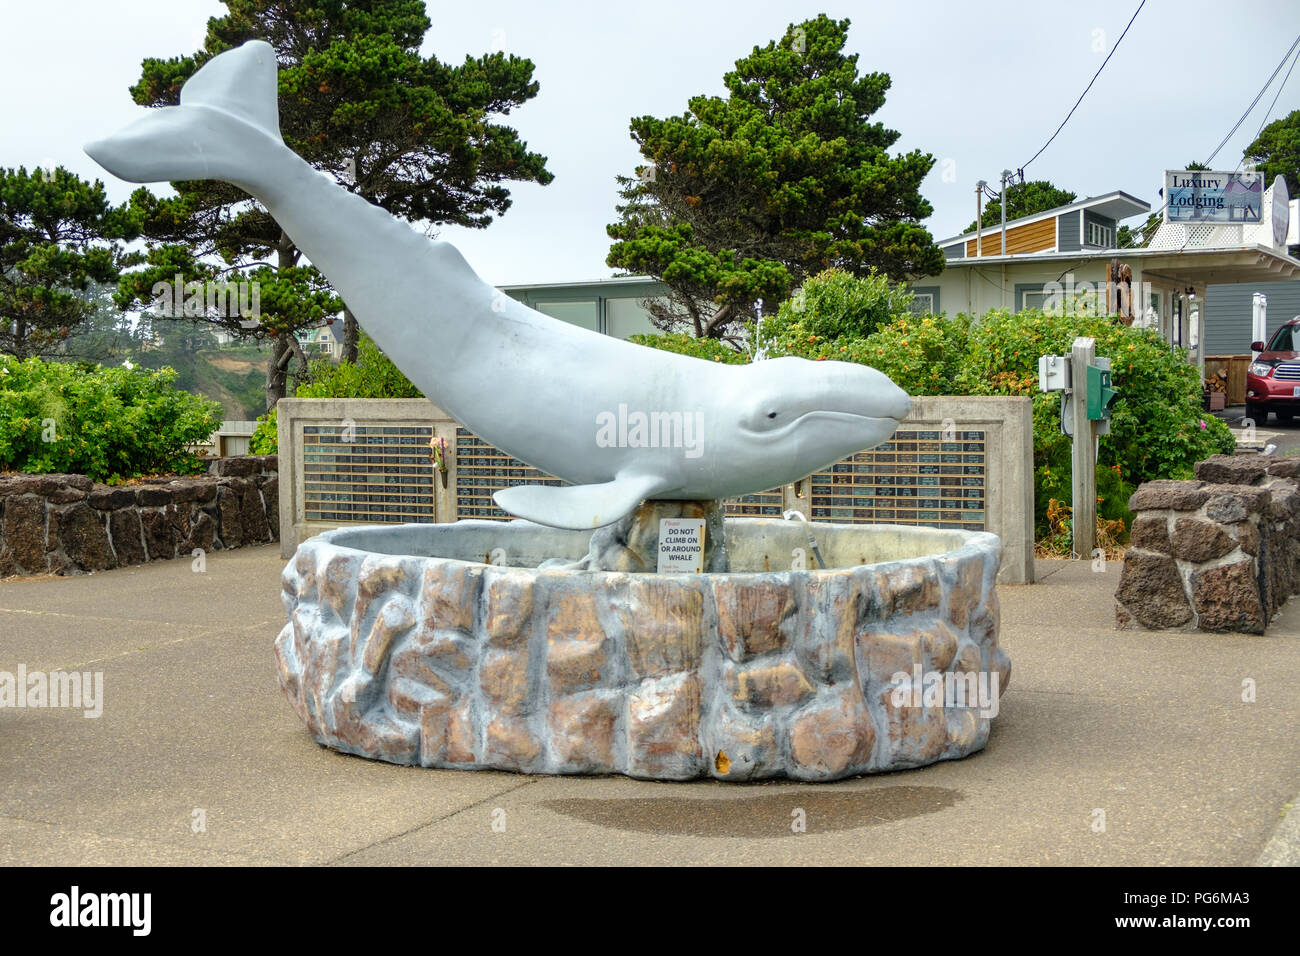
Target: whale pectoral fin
579 507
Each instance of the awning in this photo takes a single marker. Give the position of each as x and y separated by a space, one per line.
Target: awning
1214 266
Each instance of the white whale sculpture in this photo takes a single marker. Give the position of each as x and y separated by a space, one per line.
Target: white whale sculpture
620 422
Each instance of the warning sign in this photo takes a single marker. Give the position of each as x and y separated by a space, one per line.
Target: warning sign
681 545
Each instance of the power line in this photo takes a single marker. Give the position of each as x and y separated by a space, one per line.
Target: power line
1225 139
1088 87
1293 48
1281 63
1264 121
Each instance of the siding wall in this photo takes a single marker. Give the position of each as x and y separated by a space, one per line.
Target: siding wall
1227 313
1070 239
1033 237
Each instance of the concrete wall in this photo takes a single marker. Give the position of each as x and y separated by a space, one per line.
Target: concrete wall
296 414
1009 480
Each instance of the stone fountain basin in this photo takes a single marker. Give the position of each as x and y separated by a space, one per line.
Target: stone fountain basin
404 644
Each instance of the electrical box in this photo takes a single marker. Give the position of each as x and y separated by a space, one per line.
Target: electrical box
1053 373
1100 393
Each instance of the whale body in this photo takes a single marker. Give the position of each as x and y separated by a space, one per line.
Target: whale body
620 422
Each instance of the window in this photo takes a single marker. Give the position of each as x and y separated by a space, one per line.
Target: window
925 300
1282 340
1055 299
1099 235
624 317
582 314
1035 300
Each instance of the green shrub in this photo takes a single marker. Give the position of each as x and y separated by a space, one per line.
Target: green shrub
921 353
106 423
372 376
265 440
1158 429
708 349
835 304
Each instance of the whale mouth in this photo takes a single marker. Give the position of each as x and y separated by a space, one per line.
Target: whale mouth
852 419
847 417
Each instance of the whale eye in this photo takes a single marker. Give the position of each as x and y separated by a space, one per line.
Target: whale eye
771 414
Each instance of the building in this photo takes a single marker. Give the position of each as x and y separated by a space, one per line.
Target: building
609 306
1231 332
1193 281
322 341
980 276
1053 257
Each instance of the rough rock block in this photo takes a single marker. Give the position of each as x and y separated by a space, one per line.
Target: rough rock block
1151 591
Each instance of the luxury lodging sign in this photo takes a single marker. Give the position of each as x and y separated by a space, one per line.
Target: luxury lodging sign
1203 195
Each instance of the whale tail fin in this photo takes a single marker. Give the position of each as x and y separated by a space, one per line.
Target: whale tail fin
226 109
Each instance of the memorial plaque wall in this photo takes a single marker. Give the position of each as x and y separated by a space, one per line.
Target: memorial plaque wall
919 477
368 473
481 470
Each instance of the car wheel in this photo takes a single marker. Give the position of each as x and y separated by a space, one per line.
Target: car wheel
1257 414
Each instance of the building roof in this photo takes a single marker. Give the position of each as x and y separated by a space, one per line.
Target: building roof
581 285
1116 205
1246 263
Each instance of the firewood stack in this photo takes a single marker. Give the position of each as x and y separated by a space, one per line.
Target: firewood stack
1215 395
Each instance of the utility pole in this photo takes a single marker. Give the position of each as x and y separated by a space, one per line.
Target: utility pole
1006 176
979 217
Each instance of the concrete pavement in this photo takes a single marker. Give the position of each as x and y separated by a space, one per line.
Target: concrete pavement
1285 435
1111 748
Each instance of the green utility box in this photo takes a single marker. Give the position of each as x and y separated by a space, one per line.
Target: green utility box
1100 394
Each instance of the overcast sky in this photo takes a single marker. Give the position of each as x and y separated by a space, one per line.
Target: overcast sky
979 85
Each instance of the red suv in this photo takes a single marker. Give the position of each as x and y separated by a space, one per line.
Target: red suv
1273 379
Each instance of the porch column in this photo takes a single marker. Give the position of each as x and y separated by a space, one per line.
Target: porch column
1200 330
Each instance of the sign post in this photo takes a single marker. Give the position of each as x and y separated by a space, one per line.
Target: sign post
1086 394
1083 460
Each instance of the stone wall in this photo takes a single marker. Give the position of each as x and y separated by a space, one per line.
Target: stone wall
1221 553
450 663
68 524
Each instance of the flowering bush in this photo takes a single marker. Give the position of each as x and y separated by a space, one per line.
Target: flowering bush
106 423
710 350
837 305
1158 429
